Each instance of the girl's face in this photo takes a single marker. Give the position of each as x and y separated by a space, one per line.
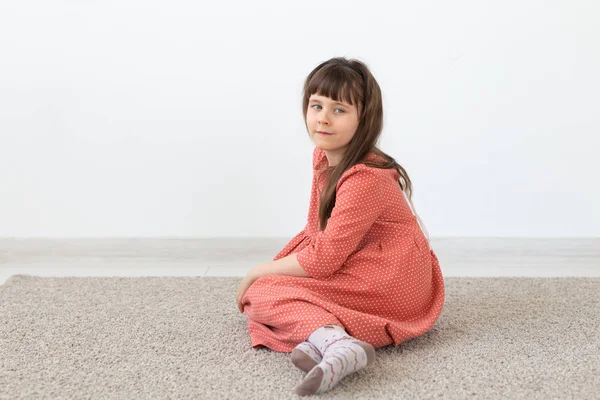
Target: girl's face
338 119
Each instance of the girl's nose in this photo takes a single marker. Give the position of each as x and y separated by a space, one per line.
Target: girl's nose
323 121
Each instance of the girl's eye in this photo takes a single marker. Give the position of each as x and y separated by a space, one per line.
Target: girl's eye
316 105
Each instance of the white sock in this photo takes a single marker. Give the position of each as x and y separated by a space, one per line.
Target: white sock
342 355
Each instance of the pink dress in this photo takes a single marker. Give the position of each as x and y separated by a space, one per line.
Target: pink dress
371 270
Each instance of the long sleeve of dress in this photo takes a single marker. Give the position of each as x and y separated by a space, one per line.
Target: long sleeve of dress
358 204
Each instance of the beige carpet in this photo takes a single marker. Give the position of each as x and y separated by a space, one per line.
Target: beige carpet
154 337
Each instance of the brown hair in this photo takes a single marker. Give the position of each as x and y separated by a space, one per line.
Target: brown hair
351 81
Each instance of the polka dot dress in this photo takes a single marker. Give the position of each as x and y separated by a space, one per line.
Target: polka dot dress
371 270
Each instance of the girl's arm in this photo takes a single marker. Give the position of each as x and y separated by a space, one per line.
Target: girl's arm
360 200
284 266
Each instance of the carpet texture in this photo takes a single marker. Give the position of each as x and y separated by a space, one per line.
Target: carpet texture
156 337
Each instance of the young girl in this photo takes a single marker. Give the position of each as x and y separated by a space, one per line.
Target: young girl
361 274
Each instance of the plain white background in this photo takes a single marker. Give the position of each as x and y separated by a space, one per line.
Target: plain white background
183 119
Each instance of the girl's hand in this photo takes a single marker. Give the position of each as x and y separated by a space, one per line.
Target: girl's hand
244 285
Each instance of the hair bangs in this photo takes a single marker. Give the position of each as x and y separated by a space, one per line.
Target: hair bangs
333 83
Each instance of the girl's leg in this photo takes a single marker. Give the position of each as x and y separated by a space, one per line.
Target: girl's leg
279 317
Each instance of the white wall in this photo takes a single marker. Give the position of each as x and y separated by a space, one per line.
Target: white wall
146 118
